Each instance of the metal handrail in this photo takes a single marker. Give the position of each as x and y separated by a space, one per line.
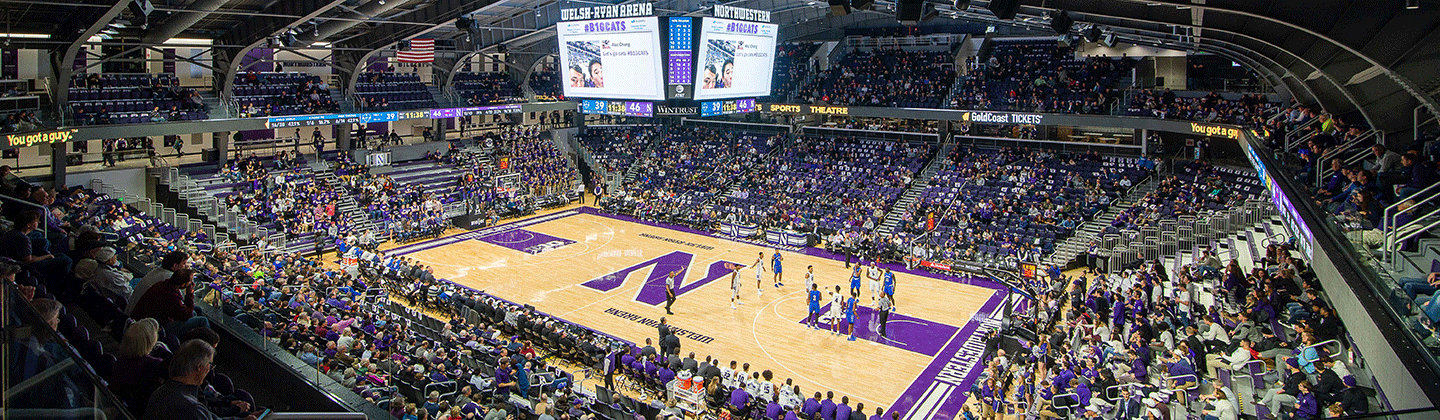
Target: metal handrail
1358 156
1388 218
1291 142
1395 251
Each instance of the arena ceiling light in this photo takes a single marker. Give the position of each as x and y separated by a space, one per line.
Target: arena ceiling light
25 36
1412 4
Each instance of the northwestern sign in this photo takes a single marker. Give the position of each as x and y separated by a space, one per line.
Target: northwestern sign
652 292
740 13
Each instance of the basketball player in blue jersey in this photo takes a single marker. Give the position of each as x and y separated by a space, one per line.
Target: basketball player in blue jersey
814 300
890 287
759 272
855 281
775 265
850 314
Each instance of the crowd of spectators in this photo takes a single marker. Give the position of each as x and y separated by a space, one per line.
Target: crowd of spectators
263 94
545 83
1040 76
543 170
490 88
1011 203
884 77
20 121
85 256
96 98
826 184
1356 196
792 67
1196 189
1248 110
393 91
405 212
1145 343
294 202
616 148
688 168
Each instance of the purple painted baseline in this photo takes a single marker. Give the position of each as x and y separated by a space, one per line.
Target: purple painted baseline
906 332
950 407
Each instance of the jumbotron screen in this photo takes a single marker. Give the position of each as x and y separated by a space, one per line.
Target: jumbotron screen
736 59
628 50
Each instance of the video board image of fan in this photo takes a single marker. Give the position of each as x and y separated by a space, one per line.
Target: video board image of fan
582 63
719 64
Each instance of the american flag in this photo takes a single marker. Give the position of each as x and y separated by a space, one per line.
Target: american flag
421 51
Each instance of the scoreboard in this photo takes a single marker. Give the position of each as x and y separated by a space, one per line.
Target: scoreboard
736 106
621 108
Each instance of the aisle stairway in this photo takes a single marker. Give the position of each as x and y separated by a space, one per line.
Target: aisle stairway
1079 242
917 186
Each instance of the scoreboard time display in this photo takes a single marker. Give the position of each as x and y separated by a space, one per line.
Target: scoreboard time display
736 106
621 108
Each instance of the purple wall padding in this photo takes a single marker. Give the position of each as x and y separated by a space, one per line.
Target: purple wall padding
257 55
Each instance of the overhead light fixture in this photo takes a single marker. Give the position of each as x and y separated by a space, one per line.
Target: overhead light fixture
382 2
25 36
320 44
1412 4
110 31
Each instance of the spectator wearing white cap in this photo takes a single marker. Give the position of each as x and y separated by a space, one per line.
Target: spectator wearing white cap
101 272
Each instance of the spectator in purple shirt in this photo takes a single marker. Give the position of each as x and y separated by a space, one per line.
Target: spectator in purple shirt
879 414
503 381
827 407
842 411
811 406
739 399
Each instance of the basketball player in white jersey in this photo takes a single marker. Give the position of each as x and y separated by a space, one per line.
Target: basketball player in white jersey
734 284
837 303
873 273
809 277
759 273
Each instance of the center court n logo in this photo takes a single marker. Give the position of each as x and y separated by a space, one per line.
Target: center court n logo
653 291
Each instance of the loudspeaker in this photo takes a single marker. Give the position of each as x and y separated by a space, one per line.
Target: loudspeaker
463 23
909 12
1061 22
141 7
1108 40
862 4
839 7
1004 9
210 155
1093 35
961 5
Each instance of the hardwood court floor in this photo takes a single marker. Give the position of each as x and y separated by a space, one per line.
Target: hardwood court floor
765 331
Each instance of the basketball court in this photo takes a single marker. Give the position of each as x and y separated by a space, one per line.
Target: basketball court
608 273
